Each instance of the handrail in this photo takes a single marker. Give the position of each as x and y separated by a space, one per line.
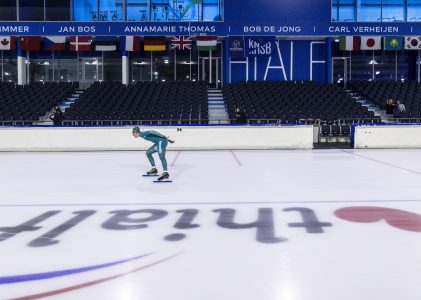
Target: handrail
113 122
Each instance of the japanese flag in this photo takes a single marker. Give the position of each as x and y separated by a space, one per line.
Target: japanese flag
371 43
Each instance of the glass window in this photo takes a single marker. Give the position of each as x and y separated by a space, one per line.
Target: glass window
186 65
65 66
192 11
346 13
388 63
141 66
112 66
212 10
90 68
137 10
57 10
369 10
110 10
335 10
163 66
8 66
40 66
31 10
361 65
393 10
414 10
85 10
162 10
8 10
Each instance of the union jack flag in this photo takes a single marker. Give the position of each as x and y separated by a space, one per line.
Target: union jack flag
181 42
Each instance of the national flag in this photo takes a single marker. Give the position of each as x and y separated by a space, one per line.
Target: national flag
30 43
130 43
7 43
57 43
393 43
181 42
206 43
105 43
80 43
236 44
371 42
155 43
413 42
349 43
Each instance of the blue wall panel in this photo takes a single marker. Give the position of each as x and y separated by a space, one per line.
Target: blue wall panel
300 64
276 10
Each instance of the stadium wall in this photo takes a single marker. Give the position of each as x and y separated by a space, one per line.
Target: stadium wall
187 138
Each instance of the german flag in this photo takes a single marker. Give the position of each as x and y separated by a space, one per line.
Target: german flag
155 43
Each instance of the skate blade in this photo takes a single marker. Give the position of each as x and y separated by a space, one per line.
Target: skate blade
163 181
150 175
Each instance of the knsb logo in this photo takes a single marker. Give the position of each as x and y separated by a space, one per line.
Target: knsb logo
260 47
263 226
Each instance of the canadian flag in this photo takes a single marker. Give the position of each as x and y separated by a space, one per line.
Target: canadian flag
7 43
371 43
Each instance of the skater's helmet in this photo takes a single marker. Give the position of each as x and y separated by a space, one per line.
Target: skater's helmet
136 129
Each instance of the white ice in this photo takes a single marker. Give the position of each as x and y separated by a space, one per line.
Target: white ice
348 261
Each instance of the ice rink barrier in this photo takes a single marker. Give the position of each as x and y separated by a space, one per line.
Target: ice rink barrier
387 136
186 137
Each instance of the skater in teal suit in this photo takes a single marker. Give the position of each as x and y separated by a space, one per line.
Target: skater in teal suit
160 143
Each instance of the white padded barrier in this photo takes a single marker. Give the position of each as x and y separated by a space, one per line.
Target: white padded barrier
187 138
402 136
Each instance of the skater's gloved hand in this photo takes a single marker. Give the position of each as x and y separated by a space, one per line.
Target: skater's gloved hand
169 140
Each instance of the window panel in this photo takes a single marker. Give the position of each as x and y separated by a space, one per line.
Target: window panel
85 10
369 10
161 10
31 10
8 10
335 13
137 10
393 10
346 13
110 10
414 10
57 10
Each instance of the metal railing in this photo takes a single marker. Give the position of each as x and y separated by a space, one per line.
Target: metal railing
272 122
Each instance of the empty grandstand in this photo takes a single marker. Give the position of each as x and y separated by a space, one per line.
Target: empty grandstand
294 102
26 104
143 102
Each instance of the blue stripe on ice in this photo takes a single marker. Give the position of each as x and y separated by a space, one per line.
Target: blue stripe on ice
54 274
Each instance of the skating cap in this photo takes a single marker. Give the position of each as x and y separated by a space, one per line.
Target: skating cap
136 129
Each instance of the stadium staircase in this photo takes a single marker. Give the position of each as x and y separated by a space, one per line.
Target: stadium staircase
218 113
367 103
65 104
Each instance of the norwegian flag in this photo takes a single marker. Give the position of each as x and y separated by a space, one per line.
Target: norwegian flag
181 42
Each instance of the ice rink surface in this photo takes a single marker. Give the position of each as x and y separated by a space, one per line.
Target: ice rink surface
243 225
